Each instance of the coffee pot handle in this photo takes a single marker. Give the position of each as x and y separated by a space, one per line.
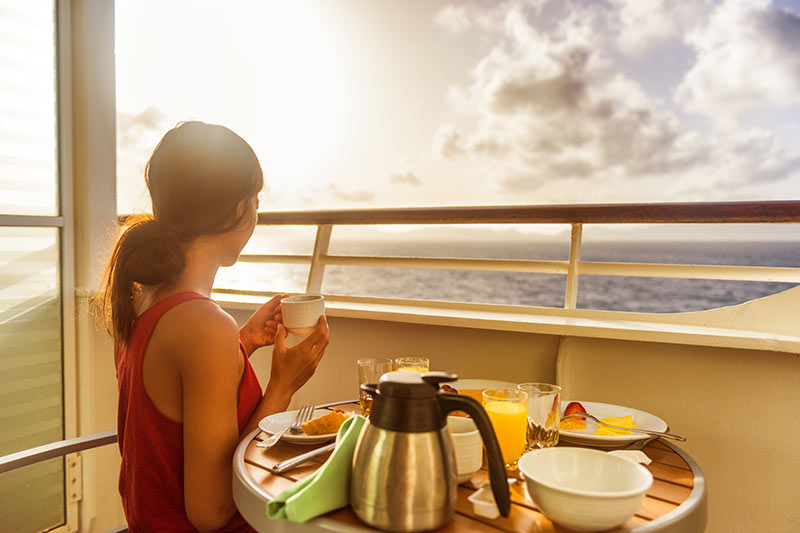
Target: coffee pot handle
497 470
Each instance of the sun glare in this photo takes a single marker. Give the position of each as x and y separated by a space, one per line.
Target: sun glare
304 89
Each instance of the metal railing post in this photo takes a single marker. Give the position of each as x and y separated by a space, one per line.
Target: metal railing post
317 269
571 297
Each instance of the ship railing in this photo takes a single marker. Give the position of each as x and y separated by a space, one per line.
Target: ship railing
715 328
772 212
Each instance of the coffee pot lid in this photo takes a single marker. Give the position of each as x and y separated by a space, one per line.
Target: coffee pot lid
412 385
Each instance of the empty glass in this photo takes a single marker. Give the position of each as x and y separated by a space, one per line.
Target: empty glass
370 371
544 414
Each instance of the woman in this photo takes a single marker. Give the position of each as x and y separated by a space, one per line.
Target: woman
187 390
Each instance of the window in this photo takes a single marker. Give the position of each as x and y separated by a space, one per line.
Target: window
31 377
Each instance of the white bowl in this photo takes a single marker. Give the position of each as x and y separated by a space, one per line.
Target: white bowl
584 489
468 446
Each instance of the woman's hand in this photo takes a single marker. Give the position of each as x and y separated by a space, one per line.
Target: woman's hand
292 367
262 326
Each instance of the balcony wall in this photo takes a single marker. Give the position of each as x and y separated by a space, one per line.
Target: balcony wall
730 403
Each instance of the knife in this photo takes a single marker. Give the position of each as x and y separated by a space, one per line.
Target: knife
331 404
288 464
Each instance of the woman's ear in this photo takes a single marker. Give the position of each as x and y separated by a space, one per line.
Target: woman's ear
246 209
241 208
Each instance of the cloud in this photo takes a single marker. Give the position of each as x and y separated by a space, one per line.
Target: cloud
747 57
753 156
448 143
644 24
137 136
350 196
405 178
454 19
548 107
135 128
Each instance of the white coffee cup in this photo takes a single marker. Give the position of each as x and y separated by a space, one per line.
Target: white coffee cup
301 312
467 444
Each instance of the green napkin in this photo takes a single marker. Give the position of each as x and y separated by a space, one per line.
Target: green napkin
328 488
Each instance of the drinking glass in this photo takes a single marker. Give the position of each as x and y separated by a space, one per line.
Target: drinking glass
507 409
544 414
370 371
416 364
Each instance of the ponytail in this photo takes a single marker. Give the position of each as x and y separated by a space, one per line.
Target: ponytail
145 254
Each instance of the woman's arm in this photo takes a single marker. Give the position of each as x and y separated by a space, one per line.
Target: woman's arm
291 369
209 365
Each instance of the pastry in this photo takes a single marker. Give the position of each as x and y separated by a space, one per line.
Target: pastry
325 424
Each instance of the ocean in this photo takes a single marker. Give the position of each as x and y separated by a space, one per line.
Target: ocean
659 295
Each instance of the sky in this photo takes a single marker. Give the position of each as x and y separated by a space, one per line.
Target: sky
378 103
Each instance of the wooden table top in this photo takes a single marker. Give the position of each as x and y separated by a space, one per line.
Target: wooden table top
671 501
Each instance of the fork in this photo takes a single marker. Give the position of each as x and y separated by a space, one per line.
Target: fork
303 415
634 430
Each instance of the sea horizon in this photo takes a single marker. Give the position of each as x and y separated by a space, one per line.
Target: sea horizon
657 295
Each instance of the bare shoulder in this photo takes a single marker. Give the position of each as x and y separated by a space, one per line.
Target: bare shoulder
200 330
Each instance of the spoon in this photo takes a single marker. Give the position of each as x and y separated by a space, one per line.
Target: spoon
634 430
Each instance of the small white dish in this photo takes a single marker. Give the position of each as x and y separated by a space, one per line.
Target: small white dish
584 489
483 502
586 437
468 446
274 423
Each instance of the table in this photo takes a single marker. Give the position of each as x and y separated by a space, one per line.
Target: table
676 501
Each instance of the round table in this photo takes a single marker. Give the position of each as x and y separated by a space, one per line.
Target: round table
675 503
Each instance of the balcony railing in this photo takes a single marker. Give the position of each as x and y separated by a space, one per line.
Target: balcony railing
770 212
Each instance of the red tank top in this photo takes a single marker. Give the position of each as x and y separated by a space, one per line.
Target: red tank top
151 445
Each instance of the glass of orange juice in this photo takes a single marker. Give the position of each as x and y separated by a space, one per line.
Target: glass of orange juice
508 411
415 364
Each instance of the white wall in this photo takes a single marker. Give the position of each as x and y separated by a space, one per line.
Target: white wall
471 353
88 137
101 506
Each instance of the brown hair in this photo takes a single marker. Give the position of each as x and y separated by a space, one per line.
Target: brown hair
197 176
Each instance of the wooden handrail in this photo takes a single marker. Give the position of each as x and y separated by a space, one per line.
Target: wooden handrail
757 212
774 212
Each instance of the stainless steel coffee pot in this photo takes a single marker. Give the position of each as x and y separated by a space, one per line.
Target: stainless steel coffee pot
404 474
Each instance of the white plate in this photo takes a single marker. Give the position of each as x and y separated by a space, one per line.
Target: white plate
274 423
477 384
586 437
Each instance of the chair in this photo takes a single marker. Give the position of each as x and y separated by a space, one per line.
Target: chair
58 449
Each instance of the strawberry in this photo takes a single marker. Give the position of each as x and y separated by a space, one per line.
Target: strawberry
575 407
